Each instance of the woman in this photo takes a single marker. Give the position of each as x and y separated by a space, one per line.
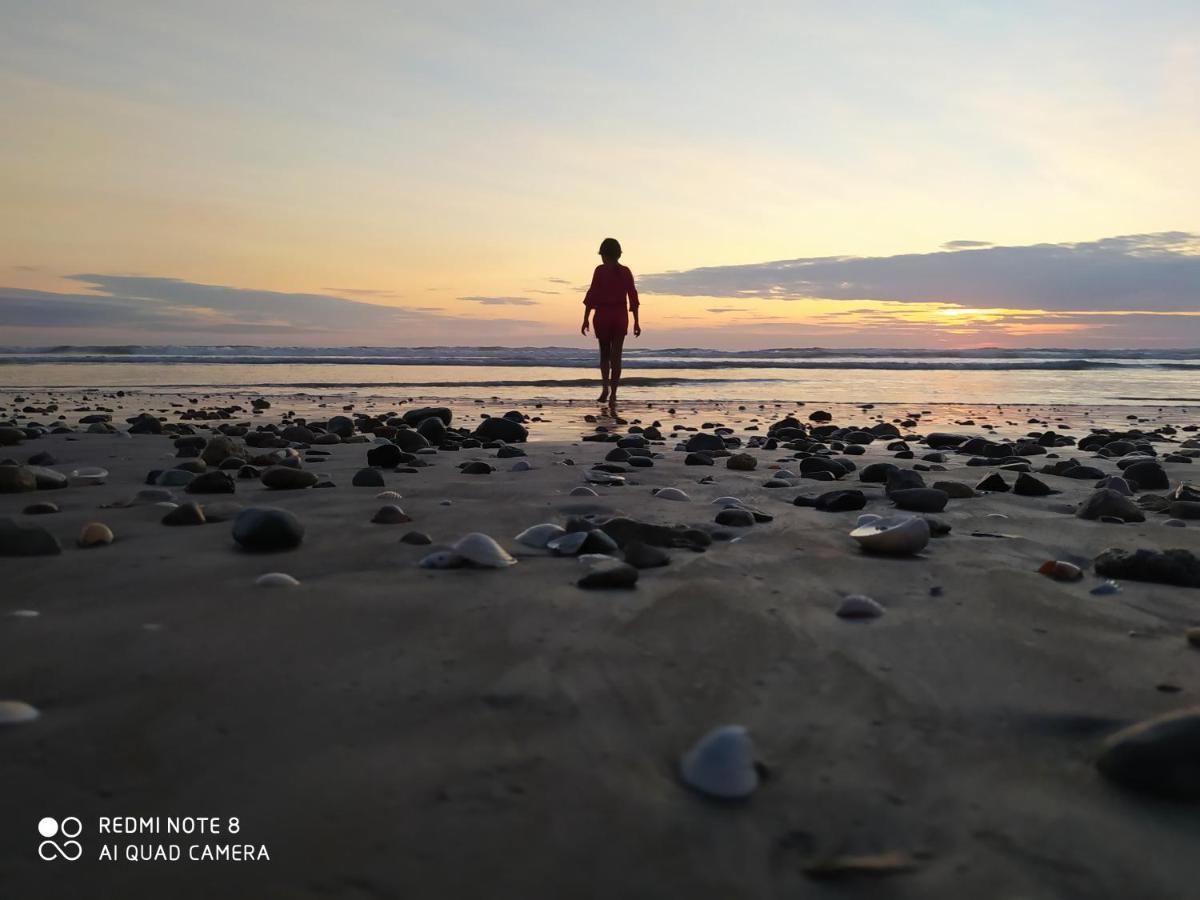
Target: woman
612 283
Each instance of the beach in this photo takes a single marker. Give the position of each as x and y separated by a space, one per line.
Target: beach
386 729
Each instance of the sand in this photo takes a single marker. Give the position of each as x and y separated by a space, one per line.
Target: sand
390 731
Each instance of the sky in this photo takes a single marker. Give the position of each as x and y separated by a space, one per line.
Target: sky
905 174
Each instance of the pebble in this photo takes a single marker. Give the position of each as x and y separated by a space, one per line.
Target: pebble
721 764
40 509
16 712
95 534
26 540
735 517
390 514
285 478
416 538
478 467
1176 567
741 462
610 575
276 580
218 482
1159 756
859 606
1028 486
955 490
925 500
1106 503
482 550
1060 570
90 475
16 480
267 528
367 478
185 514
993 483
644 556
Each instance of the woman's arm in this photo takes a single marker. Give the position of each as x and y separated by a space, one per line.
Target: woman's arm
634 303
587 311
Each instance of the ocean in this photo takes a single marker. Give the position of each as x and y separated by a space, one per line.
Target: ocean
977 376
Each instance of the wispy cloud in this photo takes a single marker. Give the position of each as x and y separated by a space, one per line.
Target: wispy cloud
501 301
1155 272
965 245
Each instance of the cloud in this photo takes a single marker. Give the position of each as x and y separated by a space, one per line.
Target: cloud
558 280
965 245
723 309
1152 272
502 301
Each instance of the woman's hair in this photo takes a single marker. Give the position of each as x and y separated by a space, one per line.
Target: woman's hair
610 247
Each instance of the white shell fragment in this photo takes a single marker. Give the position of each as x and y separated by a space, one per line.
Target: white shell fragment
894 535
568 544
671 493
583 491
276 580
721 764
16 712
482 550
538 536
859 606
388 495
90 475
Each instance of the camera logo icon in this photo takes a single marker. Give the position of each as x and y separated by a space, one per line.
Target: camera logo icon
69 828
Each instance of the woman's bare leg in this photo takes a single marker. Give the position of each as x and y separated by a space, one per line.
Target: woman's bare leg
614 363
604 371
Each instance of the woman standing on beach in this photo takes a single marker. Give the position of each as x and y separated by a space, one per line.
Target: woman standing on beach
611 284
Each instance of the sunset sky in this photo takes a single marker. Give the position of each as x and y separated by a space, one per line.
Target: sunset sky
780 174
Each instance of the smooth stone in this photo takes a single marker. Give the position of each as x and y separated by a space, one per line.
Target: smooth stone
1159 756
416 538
220 448
218 482
185 514
26 540
1115 483
276 580
94 534
1108 503
499 428
90 475
267 528
623 530
671 493
877 473
858 606
1175 523
1176 567
610 575
1106 588
838 501
955 490
705 443
342 426
442 559
174 478
903 479
1028 486
368 478
17 480
521 465
892 535
390 514
1184 509
644 556
735 517
741 462
477 468
993 483
40 509
721 764
697 459
386 456
925 500
1148 475
16 712
285 478
48 479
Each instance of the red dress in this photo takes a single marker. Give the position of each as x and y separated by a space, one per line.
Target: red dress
610 286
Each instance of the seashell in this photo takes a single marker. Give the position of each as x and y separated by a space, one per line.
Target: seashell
568 544
597 477
90 475
671 493
276 580
859 606
1105 588
521 465
1061 570
482 550
442 559
726 502
387 495
894 535
721 764
538 536
95 534
866 519
583 491
24 613
16 712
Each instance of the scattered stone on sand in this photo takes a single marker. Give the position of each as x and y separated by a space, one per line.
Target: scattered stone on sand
993 483
721 764
858 606
386 456
220 448
48 479
614 574
26 540
735 517
1028 486
671 493
218 482
955 490
1108 503
1175 567
892 535
390 514
481 550
276 580
623 530
185 514
17 480
368 478
499 428
442 559
174 478
1184 509
478 467
43 508
538 536
848 500
1147 475
267 528
94 534
697 459
286 478
1061 570
416 538
925 500
16 712
1159 756
741 462
644 556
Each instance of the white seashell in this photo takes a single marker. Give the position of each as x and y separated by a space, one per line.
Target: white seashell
90 475
583 491
388 495
721 764
895 535
16 712
670 493
568 544
442 559
521 465
482 550
867 519
538 536
24 613
275 580
859 606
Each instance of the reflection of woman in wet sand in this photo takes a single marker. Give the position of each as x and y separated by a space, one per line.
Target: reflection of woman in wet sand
611 284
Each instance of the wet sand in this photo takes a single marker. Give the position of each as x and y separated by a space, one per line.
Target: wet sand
392 731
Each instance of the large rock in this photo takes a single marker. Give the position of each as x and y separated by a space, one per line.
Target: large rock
409 440
385 456
1109 503
218 482
1176 567
1147 475
1159 756
220 448
26 540
924 500
16 480
285 478
414 417
498 428
342 426
704 443
267 528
